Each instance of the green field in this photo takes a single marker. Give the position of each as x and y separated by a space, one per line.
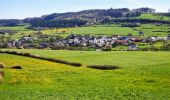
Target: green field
20 31
148 29
154 17
104 58
142 75
113 29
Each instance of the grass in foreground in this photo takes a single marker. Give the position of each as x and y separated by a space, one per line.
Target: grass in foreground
46 80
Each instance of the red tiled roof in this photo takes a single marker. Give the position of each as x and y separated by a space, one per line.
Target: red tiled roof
121 41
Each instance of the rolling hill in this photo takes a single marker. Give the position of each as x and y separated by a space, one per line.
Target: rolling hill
39 79
91 17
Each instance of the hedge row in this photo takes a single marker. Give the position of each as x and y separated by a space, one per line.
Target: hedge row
103 67
42 58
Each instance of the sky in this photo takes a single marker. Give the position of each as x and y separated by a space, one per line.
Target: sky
19 9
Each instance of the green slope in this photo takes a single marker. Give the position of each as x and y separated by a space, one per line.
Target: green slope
142 76
154 17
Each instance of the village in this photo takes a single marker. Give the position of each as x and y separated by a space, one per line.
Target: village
74 41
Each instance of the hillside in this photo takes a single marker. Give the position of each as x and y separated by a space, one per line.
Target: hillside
84 18
41 79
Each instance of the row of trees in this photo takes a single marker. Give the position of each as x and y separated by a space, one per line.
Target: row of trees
57 23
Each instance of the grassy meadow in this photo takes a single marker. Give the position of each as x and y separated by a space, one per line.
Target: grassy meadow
20 31
148 29
154 17
111 29
142 75
134 58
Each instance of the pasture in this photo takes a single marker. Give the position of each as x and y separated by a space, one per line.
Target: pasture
111 29
142 75
154 17
134 58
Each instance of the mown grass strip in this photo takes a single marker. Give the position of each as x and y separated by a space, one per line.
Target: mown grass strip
42 58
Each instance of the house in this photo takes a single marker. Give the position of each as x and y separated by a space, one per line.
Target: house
136 39
27 38
64 41
113 42
122 42
1 45
44 45
168 37
93 40
133 47
153 39
124 38
115 37
74 39
101 43
11 44
141 33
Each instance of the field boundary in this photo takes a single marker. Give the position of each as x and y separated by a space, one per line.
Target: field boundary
99 67
42 58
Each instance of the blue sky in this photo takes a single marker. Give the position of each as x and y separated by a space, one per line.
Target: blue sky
34 8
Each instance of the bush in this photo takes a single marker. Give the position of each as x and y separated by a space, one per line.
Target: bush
2 65
108 47
16 67
103 67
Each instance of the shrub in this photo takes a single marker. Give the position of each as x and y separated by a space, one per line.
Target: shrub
108 47
2 65
16 67
103 67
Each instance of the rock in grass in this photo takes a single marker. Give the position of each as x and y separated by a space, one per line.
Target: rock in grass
16 67
2 66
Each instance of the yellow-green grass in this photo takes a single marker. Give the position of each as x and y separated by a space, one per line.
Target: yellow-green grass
148 29
17 28
95 30
143 75
120 58
153 30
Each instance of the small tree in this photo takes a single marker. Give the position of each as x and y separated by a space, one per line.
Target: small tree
108 47
141 33
63 31
129 34
2 38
